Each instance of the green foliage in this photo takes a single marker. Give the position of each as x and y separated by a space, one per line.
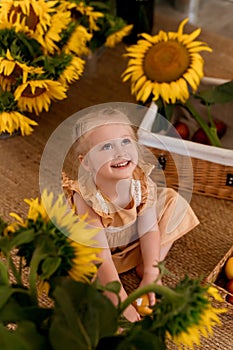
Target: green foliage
218 94
7 101
83 315
79 315
21 47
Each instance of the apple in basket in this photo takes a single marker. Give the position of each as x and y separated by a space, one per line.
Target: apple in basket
201 137
229 288
229 299
221 127
181 128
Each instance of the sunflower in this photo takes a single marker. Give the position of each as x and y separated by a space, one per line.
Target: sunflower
77 42
33 16
59 22
93 17
165 65
12 121
10 117
11 70
198 317
68 240
36 95
116 37
72 72
80 10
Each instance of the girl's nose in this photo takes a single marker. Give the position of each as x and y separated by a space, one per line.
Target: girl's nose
119 150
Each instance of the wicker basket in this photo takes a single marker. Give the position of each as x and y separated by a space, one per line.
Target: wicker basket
218 279
209 178
188 165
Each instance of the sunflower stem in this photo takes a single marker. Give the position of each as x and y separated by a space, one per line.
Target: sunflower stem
211 132
156 288
33 287
211 120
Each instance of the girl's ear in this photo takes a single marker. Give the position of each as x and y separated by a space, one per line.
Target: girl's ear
84 161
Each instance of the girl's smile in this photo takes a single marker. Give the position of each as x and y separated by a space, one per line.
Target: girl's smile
113 153
121 164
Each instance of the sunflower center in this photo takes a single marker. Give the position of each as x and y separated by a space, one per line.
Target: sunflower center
28 92
166 61
31 19
12 78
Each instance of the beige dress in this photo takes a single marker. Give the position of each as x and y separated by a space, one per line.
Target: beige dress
174 215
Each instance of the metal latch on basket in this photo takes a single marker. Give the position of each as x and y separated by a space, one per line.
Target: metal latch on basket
162 160
229 180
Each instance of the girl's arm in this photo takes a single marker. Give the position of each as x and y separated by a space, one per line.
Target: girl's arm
150 241
107 271
150 250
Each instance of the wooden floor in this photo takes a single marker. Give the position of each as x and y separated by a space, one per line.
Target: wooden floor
213 15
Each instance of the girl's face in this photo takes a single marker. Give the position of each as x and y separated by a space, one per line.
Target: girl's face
113 152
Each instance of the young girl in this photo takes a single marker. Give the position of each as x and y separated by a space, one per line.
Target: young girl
138 222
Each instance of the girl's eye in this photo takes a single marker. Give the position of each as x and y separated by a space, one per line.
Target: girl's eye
107 147
126 142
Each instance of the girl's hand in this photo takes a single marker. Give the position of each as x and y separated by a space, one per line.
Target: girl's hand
149 278
131 314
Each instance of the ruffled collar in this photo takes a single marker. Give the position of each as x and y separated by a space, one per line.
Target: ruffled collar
100 204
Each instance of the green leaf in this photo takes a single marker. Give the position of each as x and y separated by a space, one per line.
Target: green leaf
49 266
114 287
9 340
63 337
11 312
25 337
5 293
23 237
142 340
4 278
83 315
37 314
5 245
218 94
28 333
44 248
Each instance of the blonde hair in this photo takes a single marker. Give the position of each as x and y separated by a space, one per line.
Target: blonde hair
93 120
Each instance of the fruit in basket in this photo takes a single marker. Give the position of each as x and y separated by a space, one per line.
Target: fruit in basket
181 128
221 127
229 268
142 305
229 286
200 137
229 299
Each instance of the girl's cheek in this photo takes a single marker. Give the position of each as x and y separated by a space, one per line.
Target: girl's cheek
100 160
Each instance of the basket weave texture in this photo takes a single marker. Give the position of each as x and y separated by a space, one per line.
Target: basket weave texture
218 279
209 178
